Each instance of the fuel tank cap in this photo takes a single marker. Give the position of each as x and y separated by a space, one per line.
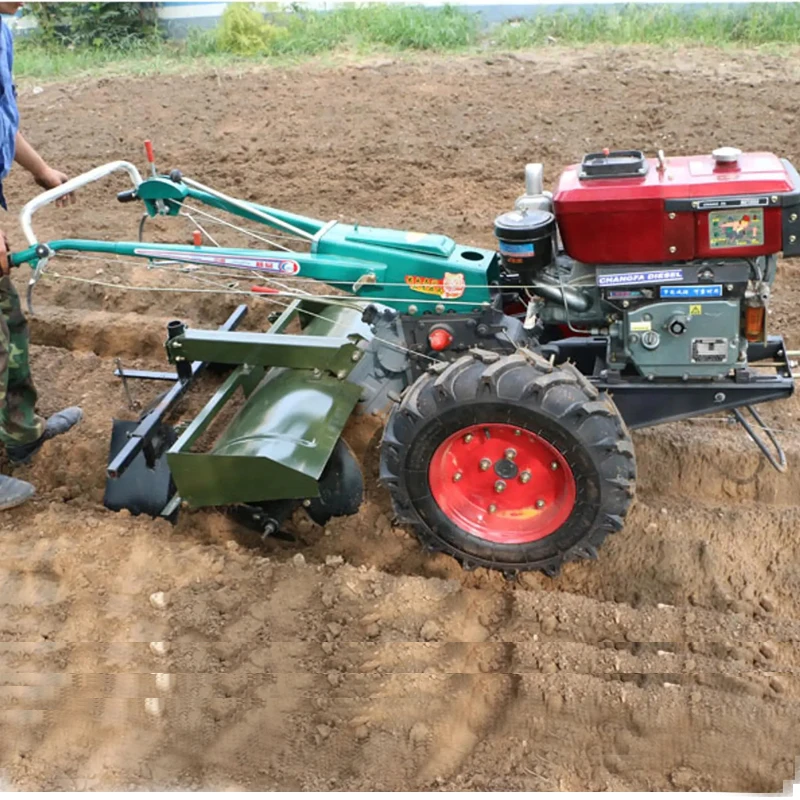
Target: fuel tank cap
726 155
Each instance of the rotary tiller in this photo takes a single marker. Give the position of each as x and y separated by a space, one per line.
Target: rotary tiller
509 379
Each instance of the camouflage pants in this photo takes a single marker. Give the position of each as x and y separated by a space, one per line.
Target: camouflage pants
19 423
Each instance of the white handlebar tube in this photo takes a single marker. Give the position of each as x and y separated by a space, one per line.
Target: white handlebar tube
45 198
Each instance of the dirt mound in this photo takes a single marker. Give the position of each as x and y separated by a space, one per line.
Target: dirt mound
139 655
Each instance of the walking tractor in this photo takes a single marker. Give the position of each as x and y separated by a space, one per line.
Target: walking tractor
509 379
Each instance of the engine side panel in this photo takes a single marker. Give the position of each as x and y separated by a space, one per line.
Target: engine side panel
675 320
676 339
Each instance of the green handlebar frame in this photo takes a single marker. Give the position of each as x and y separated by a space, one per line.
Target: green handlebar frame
412 272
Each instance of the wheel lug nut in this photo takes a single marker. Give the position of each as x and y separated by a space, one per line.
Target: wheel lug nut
499 486
457 476
524 476
485 464
540 504
468 438
511 454
492 508
517 433
554 465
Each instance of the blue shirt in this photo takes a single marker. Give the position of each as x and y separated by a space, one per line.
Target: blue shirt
9 113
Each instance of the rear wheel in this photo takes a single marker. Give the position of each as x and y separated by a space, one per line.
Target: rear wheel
508 463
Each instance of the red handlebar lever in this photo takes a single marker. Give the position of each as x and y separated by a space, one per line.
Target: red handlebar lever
148 148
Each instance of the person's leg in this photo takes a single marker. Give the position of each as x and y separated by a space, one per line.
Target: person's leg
19 422
13 492
22 430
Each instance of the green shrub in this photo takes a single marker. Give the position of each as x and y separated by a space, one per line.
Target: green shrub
97 25
243 31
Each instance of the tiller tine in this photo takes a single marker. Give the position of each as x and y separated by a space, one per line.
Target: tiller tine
146 486
265 519
341 492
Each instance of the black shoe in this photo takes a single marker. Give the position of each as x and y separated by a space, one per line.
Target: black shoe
14 492
59 423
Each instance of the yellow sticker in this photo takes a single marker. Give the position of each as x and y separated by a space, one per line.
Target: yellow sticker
412 237
695 311
638 327
450 287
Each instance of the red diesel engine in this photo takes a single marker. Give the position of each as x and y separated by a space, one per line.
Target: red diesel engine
670 260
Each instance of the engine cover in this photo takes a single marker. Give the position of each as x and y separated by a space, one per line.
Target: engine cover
617 208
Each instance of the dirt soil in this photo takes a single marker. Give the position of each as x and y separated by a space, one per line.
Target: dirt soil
352 660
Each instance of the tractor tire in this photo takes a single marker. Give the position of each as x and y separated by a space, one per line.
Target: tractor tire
508 463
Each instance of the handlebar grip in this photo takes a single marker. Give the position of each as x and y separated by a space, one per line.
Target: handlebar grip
148 148
127 196
78 182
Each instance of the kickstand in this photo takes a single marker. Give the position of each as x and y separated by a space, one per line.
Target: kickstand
133 405
780 463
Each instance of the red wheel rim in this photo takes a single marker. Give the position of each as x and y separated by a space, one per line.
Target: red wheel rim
502 483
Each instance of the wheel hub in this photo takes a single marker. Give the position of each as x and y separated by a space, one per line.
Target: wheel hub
528 493
506 469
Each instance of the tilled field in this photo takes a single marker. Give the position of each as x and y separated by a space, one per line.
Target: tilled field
353 660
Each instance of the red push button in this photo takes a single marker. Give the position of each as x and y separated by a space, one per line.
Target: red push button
440 339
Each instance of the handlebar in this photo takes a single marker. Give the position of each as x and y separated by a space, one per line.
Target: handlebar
45 198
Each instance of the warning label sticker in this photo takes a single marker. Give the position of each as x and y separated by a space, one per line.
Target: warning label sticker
695 311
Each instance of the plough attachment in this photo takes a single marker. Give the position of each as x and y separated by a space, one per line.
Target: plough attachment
283 441
508 380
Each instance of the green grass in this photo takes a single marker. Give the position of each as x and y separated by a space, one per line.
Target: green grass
750 26
245 37
243 32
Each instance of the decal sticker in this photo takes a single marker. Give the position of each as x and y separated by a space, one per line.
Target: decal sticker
412 237
523 249
736 228
451 287
280 266
695 311
621 294
454 285
692 291
641 326
653 276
